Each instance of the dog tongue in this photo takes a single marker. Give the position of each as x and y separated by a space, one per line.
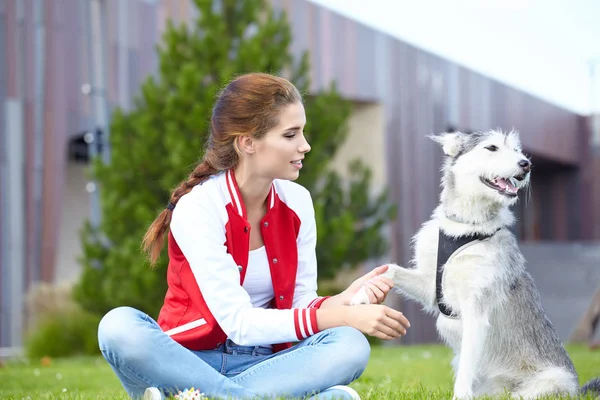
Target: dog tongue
506 185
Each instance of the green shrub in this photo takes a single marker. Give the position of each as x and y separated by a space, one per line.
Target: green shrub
64 334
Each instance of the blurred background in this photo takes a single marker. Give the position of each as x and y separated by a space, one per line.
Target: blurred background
104 107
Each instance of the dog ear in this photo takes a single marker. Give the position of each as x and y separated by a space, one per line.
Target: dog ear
451 142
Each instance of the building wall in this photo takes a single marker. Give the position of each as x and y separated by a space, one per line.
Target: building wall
365 141
405 92
75 209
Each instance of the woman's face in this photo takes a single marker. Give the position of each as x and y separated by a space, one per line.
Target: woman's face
279 154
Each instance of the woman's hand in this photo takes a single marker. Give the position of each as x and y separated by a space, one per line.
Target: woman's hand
375 320
377 287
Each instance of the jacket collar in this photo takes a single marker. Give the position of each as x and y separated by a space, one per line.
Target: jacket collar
236 196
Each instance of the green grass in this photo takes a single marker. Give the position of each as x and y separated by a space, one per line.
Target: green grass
395 373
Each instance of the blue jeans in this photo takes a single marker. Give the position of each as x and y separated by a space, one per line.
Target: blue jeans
142 355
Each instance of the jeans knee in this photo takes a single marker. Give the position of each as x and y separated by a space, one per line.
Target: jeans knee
355 347
116 329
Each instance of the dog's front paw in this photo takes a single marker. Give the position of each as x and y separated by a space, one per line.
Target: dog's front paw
462 391
391 272
361 297
462 396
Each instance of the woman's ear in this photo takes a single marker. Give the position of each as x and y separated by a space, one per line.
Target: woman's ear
246 144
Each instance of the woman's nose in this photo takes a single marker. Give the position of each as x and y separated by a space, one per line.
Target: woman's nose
305 147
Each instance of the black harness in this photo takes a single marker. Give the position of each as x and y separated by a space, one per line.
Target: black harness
447 246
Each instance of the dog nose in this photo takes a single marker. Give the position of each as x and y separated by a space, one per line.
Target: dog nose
525 164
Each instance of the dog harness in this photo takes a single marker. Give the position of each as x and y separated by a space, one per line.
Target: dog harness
447 247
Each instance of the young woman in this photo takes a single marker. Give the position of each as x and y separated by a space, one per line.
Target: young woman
242 272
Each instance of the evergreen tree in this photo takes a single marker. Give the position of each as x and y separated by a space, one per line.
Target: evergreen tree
154 146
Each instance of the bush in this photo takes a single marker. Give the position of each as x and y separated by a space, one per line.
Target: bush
56 325
64 334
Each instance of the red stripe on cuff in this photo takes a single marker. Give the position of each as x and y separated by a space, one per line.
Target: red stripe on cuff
306 314
316 303
297 325
313 320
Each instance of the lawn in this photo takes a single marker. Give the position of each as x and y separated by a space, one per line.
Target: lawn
408 372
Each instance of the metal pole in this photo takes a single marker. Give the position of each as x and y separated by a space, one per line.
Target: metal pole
96 33
14 272
99 90
90 136
124 54
38 142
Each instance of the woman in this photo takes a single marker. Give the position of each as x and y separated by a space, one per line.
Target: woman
242 272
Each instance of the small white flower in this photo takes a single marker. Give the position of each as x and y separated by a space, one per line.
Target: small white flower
36 372
190 394
64 390
59 376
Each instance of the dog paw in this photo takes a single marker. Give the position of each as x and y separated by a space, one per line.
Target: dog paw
361 297
463 392
464 396
391 271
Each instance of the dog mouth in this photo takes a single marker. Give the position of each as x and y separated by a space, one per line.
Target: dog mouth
505 186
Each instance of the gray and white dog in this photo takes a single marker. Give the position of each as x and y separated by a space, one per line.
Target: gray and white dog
468 270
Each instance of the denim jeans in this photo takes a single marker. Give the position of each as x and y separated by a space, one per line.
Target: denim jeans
142 356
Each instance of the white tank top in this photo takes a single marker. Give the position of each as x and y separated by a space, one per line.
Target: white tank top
258 281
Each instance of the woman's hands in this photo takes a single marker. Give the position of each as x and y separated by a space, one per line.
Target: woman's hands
376 286
371 319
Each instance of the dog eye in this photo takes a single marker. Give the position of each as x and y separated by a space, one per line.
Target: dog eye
491 147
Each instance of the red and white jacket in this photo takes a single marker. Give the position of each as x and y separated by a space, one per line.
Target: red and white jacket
208 255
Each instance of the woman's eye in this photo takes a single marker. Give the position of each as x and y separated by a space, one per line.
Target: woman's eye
290 135
491 147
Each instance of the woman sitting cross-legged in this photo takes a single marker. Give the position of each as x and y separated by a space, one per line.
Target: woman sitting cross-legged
242 272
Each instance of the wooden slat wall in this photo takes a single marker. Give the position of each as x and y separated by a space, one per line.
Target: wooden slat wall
420 93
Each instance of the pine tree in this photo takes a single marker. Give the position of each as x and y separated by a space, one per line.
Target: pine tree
155 145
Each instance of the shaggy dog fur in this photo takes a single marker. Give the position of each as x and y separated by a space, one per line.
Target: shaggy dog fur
501 336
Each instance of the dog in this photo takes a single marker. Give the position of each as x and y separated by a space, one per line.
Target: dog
468 271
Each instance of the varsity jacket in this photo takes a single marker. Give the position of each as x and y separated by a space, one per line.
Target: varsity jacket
208 247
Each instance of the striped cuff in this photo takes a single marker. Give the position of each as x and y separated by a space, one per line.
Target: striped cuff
305 322
316 303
